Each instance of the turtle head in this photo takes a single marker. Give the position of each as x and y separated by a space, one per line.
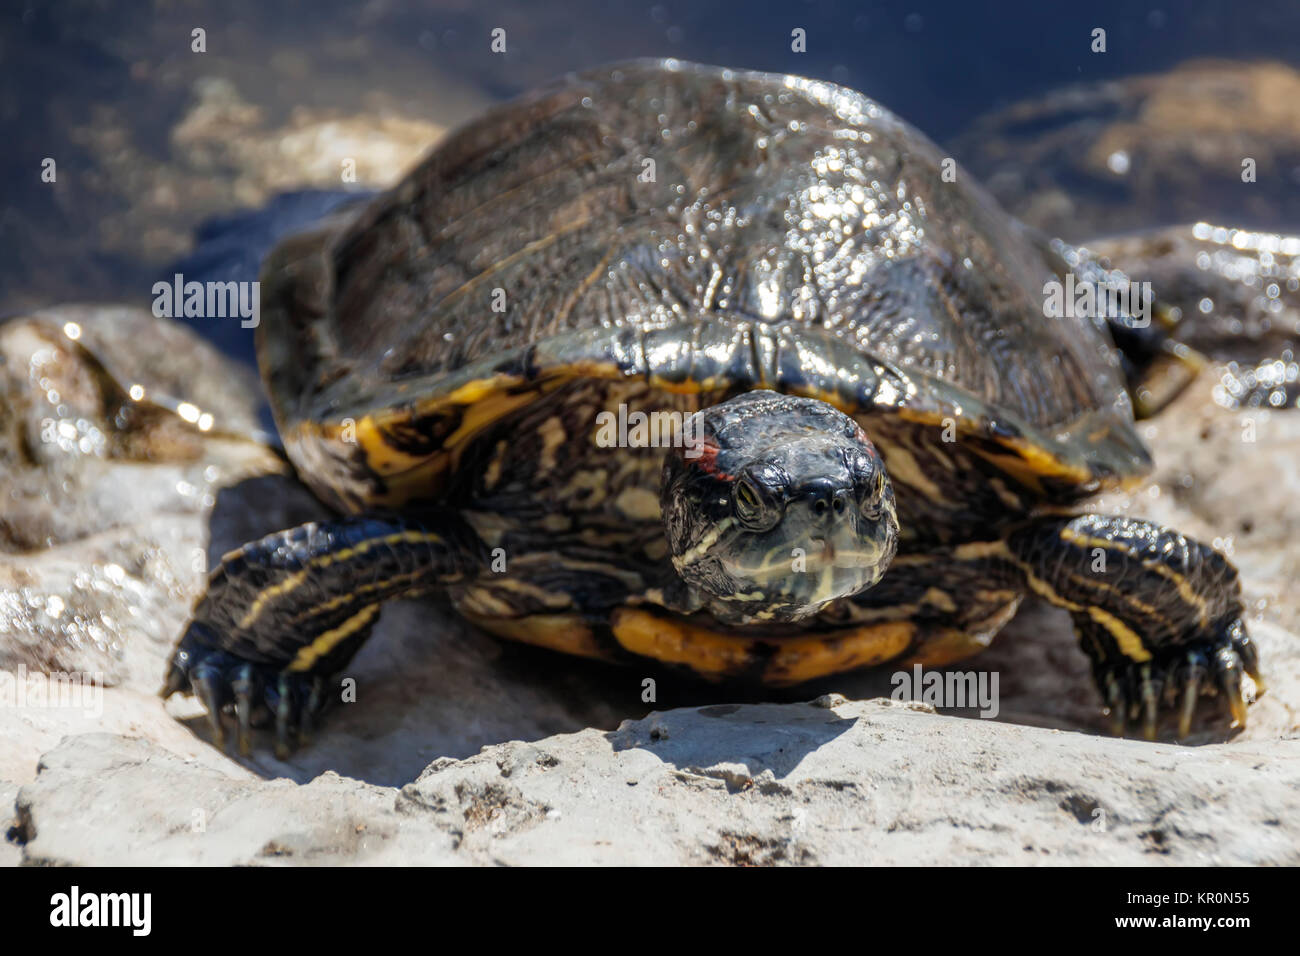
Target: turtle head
775 506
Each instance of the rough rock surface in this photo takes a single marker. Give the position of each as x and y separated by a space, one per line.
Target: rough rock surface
92 581
832 782
10 854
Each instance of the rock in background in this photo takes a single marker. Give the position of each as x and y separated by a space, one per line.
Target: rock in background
1105 158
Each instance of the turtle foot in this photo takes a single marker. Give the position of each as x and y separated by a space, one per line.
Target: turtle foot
1175 681
243 696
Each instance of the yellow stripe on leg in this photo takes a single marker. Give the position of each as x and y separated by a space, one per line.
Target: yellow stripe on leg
309 655
296 579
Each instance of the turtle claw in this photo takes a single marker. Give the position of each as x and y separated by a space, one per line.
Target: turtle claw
176 681
1247 655
1178 680
1227 679
315 704
245 685
1116 705
207 683
1191 693
1151 685
285 712
247 691
1150 720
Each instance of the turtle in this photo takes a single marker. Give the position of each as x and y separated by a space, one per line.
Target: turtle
715 368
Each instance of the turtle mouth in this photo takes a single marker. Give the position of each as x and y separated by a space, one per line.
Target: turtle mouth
822 549
798 575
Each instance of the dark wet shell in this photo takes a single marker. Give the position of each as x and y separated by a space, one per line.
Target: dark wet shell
793 207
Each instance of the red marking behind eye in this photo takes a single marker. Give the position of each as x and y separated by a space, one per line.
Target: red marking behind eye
708 461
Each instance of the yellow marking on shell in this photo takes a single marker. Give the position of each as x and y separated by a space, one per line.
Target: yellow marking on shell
1027 461
833 399
1024 473
887 612
499 596
381 457
983 549
486 402
322 645
940 599
1005 494
903 468
800 659
556 522
589 368
492 473
471 393
1034 461
675 641
688 387
295 580
638 504
790 660
553 438
566 633
945 646
486 410
549 560
654 596
594 481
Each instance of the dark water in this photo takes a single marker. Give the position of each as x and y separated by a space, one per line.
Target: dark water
105 88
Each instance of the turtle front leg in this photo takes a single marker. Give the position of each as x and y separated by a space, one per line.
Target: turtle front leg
1159 614
286 612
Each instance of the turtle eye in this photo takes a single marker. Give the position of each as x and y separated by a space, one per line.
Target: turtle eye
873 504
750 507
748 504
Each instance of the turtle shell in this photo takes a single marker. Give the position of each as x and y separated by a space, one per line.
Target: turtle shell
700 227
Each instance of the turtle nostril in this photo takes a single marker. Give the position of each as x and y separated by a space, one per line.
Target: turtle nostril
819 506
839 506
